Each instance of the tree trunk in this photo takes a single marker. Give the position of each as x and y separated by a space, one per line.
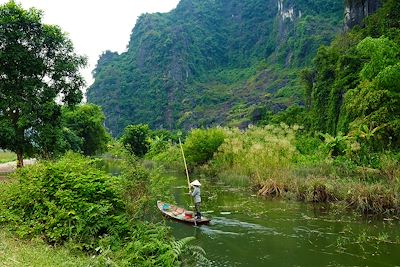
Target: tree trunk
20 159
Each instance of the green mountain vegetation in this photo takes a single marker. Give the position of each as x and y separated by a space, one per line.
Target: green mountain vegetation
213 62
354 83
341 146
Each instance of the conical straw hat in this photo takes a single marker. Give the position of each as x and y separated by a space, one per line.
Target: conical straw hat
195 183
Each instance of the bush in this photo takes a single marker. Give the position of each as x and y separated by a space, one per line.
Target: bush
72 202
201 145
68 200
170 159
136 139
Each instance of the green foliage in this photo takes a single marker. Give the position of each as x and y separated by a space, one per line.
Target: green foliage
137 191
190 255
201 145
171 158
375 102
259 153
150 249
307 145
136 139
212 57
69 200
381 53
38 64
73 203
336 145
308 79
85 129
157 146
291 116
356 87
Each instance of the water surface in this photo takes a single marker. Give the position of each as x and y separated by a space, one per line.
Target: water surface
250 231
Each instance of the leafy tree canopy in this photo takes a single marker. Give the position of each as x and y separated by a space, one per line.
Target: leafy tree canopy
136 139
38 65
356 87
86 122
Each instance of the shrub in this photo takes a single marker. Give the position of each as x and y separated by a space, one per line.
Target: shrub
72 202
65 200
171 158
201 145
157 146
136 139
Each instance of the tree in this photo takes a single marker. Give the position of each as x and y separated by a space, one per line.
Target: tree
375 102
87 123
307 77
136 139
39 71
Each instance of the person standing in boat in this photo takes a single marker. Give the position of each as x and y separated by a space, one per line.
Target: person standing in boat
197 198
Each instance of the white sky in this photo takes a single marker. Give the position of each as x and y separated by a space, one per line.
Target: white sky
95 26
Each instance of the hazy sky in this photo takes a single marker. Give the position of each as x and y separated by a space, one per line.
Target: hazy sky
96 25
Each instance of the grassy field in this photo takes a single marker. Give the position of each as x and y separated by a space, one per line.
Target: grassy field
7 156
15 253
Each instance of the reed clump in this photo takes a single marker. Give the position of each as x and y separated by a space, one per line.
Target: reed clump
283 161
260 153
375 198
279 161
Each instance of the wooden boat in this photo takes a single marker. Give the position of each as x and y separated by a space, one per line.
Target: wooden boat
180 214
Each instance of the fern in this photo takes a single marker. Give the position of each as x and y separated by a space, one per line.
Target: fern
179 246
182 248
199 255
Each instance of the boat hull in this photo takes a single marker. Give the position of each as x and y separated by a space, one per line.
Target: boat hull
179 214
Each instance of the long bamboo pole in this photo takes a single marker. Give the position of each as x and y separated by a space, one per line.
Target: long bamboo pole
187 176
184 161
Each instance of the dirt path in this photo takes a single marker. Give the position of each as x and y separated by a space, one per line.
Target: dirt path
9 167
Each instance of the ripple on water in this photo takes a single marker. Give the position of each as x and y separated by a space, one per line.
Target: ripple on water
240 227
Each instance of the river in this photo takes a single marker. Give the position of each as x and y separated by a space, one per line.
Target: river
247 230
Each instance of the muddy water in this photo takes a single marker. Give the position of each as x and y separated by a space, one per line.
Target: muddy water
249 231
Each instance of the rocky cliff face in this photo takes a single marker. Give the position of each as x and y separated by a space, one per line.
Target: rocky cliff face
210 62
357 10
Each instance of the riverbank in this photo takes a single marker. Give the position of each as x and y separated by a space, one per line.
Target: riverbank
74 205
282 162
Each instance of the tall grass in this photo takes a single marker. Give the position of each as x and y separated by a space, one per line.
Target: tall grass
260 154
35 253
7 156
276 161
